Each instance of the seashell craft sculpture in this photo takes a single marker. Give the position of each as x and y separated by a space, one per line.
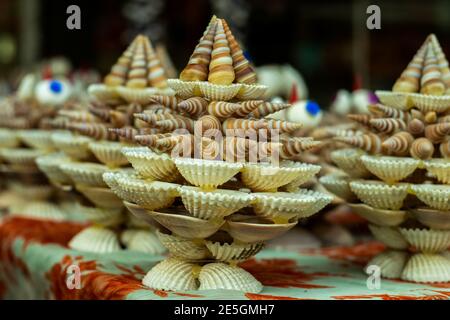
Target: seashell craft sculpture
210 172
399 170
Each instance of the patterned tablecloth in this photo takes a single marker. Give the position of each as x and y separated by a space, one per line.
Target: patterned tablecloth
34 263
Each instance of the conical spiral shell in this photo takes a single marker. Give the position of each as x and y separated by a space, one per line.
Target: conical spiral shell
95 130
129 133
242 68
78 115
388 125
422 148
282 126
222 109
197 67
267 108
149 140
119 71
295 147
167 101
363 119
156 76
437 133
120 119
409 80
247 107
176 123
242 124
390 112
206 123
100 112
194 106
368 142
398 144
431 82
416 127
221 66
444 148
442 61
137 75
152 118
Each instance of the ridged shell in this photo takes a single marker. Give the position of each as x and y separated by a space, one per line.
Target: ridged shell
214 204
427 240
439 168
101 197
96 240
49 164
214 276
21 156
105 217
219 92
390 262
171 274
251 91
427 103
88 174
233 252
338 185
194 106
390 236
388 125
183 248
380 195
431 218
8 138
42 210
109 153
310 170
397 100
427 268
387 218
145 241
206 174
390 169
368 142
349 160
398 144
222 109
74 146
435 196
37 139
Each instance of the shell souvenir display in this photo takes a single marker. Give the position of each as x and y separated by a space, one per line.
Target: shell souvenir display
398 174
214 195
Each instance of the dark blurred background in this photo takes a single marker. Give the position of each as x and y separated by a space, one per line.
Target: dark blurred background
327 41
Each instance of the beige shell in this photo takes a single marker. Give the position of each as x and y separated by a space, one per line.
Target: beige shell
96 240
251 229
37 139
21 156
435 196
338 185
171 274
397 100
184 89
427 103
427 240
105 217
251 91
424 267
269 177
218 92
144 241
8 138
49 164
101 197
214 204
32 191
387 218
42 210
321 199
87 174
151 165
349 160
186 226
141 214
109 153
75 146
391 263
310 170
206 174
390 236
439 168
390 169
234 251
142 96
380 195
183 248
214 276
104 93
432 218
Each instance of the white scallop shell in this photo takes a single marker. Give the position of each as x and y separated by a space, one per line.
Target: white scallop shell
108 153
427 240
398 100
183 248
380 195
218 92
338 185
95 239
234 251
391 263
143 241
37 139
439 168
390 169
8 138
42 210
423 267
75 146
389 236
435 196
85 173
429 103
349 160
49 164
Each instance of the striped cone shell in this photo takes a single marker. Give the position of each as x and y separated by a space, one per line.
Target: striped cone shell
431 81
195 106
389 112
222 109
422 149
409 80
207 122
245 124
267 108
388 125
247 107
363 119
153 118
242 68
295 147
369 142
176 123
416 127
221 66
197 67
441 60
398 144
283 126
156 76
97 131
129 133
102 113
149 140
119 71
436 133
137 76
167 101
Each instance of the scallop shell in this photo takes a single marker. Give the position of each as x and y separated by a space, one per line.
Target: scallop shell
251 91
249 229
206 174
186 226
142 96
215 204
397 100
151 165
321 199
172 274
390 262
106 94
390 169
141 214
101 197
284 206
151 195
105 217
49 164
387 218
96 240
427 240
218 92
349 160
268 177
439 168
183 89
145 241
109 153
310 170
435 196
75 146
338 185
427 268
42 210
214 276
380 195
32 191
427 103
431 218
233 252
8 138
21 156
183 248
37 139
88 174
390 236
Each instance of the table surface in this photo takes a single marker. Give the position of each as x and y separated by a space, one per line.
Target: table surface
34 263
